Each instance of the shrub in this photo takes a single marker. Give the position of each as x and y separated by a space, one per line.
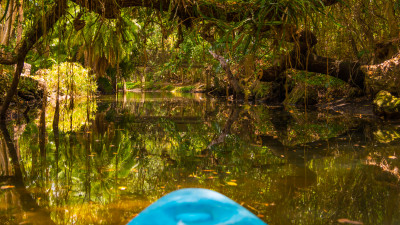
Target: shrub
169 87
73 77
104 86
129 85
186 89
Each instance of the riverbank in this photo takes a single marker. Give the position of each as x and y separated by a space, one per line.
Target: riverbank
162 86
28 97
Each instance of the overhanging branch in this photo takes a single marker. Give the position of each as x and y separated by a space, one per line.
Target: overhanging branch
302 58
38 29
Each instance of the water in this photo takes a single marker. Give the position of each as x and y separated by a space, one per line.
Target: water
111 158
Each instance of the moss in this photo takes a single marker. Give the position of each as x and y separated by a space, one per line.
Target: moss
169 87
386 104
262 90
186 89
321 87
387 135
28 88
152 86
156 86
129 85
301 94
4 83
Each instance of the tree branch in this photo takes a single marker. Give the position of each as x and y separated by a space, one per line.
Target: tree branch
38 29
227 128
302 58
232 79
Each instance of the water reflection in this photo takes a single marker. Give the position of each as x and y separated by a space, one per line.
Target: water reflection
107 159
16 197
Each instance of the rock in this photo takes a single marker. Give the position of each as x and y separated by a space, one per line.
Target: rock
300 95
26 95
387 105
383 76
27 69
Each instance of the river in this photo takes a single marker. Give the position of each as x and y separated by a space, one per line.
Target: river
110 157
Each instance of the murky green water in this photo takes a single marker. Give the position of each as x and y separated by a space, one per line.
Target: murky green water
111 158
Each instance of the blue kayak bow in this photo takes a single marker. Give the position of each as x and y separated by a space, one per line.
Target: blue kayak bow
195 206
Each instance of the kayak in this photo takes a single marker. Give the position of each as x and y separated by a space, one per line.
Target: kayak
195 206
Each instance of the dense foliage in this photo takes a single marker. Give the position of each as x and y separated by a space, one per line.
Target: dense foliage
171 41
70 79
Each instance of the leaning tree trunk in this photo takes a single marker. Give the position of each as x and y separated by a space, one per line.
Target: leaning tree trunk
17 56
8 25
12 90
231 77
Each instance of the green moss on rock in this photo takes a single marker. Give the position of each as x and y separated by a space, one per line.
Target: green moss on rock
386 104
300 95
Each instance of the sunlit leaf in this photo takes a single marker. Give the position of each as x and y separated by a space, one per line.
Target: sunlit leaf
231 183
348 221
7 187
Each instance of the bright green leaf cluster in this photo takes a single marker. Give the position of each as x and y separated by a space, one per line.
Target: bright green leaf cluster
74 80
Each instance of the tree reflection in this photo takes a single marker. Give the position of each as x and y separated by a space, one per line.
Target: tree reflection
28 204
311 169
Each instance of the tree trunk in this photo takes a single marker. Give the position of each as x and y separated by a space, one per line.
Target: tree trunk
124 85
233 117
28 203
20 19
8 26
232 79
35 33
12 90
23 47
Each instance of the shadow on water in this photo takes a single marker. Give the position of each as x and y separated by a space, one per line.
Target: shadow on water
105 160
